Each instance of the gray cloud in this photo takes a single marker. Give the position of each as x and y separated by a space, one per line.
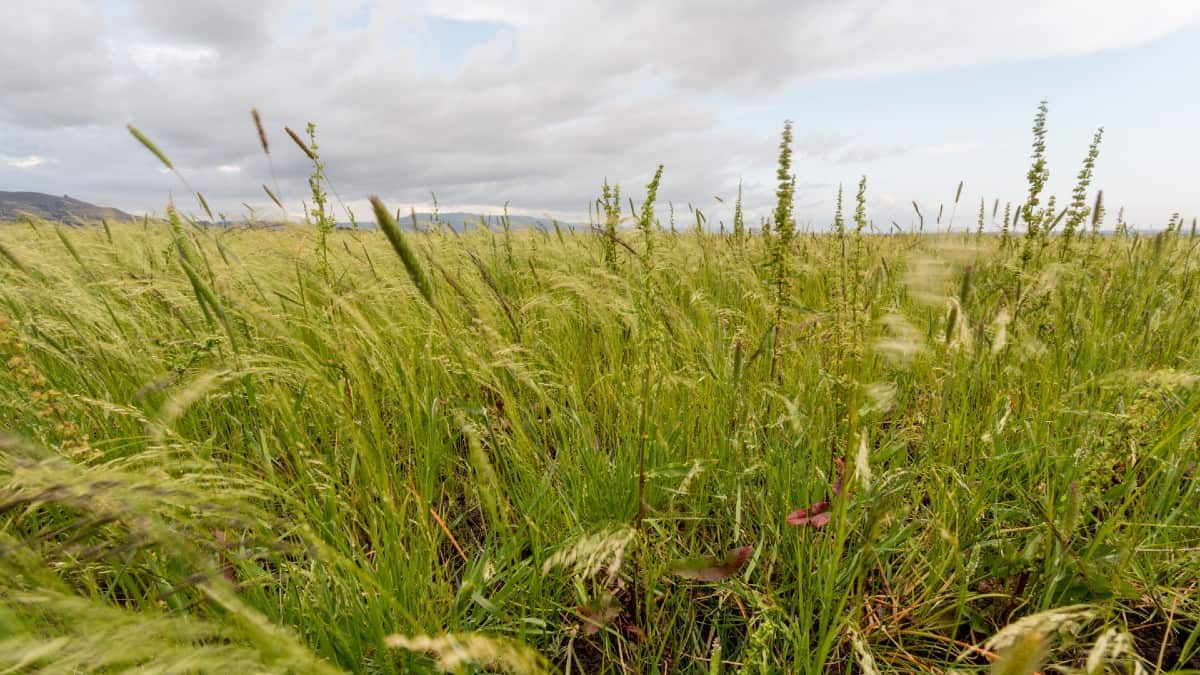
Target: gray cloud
232 24
564 95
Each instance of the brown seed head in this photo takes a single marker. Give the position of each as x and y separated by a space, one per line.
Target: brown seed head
300 142
262 134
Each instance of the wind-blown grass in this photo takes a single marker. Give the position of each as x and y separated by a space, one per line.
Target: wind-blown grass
237 456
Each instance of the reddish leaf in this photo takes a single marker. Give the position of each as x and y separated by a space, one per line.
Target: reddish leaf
819 514
816 515
599 613
713 568
841 479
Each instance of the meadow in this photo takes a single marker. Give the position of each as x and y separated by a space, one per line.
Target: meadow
633 448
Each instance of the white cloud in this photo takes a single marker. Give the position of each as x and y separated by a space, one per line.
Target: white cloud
229 168
27 162
953 147
170 60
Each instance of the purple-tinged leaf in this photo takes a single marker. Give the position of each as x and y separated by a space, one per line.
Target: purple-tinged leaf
712 568
840 483
817 516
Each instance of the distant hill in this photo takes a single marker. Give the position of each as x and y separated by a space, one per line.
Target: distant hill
461 222
62 209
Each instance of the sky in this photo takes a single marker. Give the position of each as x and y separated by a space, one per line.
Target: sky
536 103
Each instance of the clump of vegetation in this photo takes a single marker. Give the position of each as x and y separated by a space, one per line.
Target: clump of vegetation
396 451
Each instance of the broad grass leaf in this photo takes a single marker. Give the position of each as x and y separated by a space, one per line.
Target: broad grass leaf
712 568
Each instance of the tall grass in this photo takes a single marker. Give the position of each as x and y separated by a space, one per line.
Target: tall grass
525 455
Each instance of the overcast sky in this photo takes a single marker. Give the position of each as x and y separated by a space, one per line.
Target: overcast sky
536 102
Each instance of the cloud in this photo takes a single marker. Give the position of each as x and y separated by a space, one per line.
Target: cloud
953 147
27 162
170 59
770 43
225 23
560 96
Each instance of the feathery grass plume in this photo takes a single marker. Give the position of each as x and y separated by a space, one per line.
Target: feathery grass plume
784 232
266 148
262 134
785 225
920 218
1000 330
646 218
300 143
506 225
1068 620
1004 231
900 341
860 206
862 460
319 212
647 335
594 554
739 221
839 222
1174 223
953 207
714 658
1024 645
1098 213
610 202
149 145
1025 656
858 292
878 398
958 328
979 223
1037 176
1078 210
413 266
1113 647
272 196
865 660
162 157
436 215
204 205
93 636
455 652
843 306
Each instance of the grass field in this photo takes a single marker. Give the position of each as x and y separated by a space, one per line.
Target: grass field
297 451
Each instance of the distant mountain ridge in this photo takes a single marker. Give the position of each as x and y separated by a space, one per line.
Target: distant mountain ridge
461 221
63 209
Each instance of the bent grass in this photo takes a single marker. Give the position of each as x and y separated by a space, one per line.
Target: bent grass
229 461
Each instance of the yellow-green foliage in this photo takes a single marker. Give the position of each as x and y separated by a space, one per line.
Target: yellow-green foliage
241 454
